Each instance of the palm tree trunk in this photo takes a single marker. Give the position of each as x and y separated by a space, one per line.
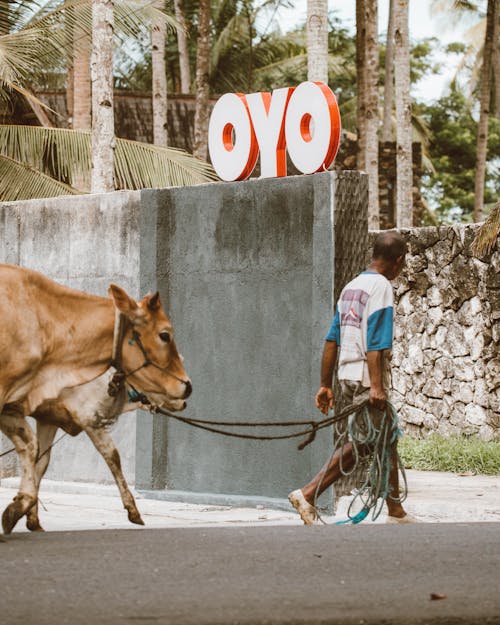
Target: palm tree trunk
389 77
496 66
183 47
361 84
368 119
82 91
70 75
103 130
159 67
317 40
482 130
404 165
202 91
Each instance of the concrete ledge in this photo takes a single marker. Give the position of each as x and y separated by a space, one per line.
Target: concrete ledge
215 499
68 488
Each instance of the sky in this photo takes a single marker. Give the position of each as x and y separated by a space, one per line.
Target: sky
421 25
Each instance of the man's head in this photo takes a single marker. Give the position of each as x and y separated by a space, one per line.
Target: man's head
389 251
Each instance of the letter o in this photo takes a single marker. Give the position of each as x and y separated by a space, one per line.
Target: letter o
312 103
232 144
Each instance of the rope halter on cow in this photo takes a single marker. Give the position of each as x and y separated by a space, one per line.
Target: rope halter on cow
120 376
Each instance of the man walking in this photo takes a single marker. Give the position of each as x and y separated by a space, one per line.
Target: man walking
361 336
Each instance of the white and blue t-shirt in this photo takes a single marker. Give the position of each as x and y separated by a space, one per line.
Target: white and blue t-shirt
363 322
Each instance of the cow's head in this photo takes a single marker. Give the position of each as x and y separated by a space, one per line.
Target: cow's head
150 357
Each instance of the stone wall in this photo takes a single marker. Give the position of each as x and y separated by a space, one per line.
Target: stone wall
446 357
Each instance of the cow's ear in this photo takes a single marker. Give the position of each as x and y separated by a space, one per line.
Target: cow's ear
123 302
153 302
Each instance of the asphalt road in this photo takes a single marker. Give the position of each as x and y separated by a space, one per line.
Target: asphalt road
379 574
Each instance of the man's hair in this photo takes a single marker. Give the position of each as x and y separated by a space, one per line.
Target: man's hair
389 246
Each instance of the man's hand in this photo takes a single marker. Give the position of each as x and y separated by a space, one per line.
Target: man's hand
378 397
324 399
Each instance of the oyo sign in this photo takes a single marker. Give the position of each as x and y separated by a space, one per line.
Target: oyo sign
305 121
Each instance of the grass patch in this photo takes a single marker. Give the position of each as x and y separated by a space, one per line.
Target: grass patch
456 454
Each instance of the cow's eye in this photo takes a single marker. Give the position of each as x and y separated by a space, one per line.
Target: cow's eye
165 336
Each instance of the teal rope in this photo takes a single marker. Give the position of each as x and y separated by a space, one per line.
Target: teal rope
375 489
363 432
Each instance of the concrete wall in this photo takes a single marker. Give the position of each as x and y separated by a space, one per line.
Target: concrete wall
247 272
85 242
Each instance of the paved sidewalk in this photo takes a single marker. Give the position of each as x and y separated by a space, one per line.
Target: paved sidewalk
433 497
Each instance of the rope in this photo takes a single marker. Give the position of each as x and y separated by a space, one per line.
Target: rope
9 451
310 431
372 446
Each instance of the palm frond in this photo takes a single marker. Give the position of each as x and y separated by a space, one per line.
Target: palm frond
46 30
66 155
19 181
17 54
486 236
62 153
141 165
235 31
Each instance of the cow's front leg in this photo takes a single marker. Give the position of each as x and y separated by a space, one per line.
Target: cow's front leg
105 446
45 435
18 430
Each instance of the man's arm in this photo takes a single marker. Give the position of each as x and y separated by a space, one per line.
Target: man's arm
324 396
378 396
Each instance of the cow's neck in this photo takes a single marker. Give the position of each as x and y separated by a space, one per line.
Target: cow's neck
85 335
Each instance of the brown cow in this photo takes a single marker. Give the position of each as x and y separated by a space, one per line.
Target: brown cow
53 338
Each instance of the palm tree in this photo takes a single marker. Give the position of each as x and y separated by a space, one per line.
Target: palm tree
367 116
41 162
80 86
487 235
404 164
202 88
158 35
184 66
487 70
389 77
317 40
490 43
103 122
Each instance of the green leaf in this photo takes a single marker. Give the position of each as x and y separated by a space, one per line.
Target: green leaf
19 181
65 155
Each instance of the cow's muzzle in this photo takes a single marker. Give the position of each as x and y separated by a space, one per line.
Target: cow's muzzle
188 390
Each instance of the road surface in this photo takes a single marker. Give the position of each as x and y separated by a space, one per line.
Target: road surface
367 574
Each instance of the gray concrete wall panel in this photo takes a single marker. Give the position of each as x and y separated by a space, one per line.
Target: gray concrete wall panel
247 271
85 242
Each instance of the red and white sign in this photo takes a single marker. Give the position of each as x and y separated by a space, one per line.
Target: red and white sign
305 121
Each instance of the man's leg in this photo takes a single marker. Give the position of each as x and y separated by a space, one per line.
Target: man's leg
395 511
303 499
394 507
341 461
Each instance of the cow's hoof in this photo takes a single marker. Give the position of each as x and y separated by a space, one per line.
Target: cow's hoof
135 517
34 526
11 515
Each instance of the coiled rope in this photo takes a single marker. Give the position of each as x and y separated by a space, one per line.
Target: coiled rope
372 435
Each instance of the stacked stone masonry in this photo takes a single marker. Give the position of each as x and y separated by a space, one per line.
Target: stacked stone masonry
446 357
